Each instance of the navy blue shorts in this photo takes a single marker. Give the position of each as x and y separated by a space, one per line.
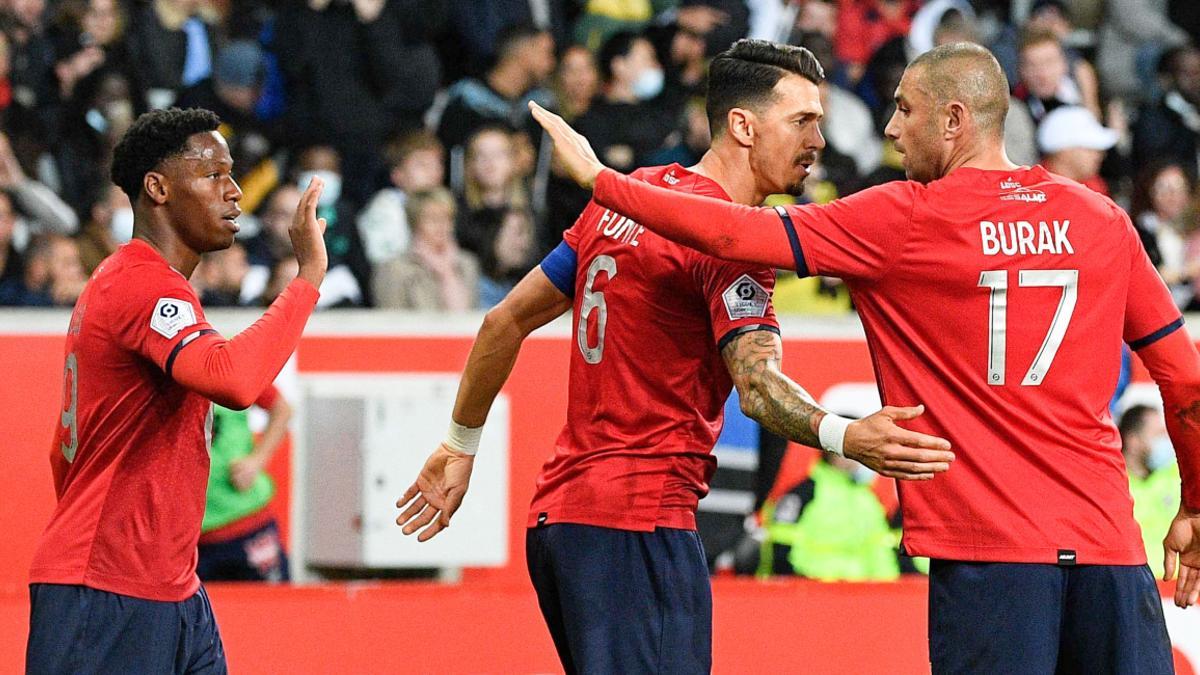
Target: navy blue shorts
257 556
1017 618
618 601
75 629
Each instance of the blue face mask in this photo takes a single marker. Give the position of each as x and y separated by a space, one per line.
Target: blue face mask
648 84
1162 453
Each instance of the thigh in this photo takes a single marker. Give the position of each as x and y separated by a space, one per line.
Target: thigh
541 572
632 602
203 652
75 629
1114 622
994 617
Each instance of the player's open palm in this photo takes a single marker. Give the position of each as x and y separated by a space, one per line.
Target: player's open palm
437 493
891 450
1181 549
574 152
307 233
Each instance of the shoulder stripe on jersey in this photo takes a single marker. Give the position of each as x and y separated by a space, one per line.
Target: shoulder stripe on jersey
191 337
1157 335
794 240
742 330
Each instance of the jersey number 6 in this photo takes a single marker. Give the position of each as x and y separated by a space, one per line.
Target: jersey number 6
594 300
997 281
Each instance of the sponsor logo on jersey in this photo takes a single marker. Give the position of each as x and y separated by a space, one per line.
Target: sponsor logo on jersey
745 299
1024 194
670 178
172 315
1009 184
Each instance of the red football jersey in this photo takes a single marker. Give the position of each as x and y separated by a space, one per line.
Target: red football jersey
130 457
1000 299
647 382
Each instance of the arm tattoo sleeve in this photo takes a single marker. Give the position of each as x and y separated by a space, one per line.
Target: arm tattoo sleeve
767 395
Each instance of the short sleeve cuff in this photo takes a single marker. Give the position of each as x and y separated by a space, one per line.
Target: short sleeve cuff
789 227
1143 342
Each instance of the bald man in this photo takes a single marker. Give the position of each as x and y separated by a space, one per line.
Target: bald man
998 295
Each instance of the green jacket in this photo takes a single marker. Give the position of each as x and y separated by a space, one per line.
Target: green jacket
231 440
1155 503
841 533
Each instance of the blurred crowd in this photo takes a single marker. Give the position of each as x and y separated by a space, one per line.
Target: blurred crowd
441 192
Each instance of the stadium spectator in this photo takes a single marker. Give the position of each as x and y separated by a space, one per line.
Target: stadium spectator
847 125
1162 211
1132 36
109 224
100 110
375 74
171 45
239 537
31 119
1048 80
42 210
348 279
233 92
270 244
507 257
863 26
576 81
434 274
524 63
415 164
1073 145
1169 127
478 30
1153 475
629 120
220 276
491 183
53 275
831 526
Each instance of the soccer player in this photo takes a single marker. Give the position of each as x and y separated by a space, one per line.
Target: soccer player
999 295
113 588
662 334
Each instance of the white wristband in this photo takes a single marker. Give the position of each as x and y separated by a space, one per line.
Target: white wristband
832 432
463 439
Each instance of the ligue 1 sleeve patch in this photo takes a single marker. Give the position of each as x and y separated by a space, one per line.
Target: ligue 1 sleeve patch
172 315
746 299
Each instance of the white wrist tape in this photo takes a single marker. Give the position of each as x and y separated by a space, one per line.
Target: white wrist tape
463 439
832 433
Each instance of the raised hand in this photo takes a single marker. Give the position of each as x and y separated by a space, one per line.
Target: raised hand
437 493
307 232
891 450
1181 549
574 152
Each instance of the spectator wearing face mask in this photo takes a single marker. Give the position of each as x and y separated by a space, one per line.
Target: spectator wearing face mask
1153 476
434 274
109 224
349 272
628 122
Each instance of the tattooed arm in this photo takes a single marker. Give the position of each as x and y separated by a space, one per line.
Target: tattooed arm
775 401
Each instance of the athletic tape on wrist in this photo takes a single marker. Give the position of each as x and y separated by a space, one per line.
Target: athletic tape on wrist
832 433
463 439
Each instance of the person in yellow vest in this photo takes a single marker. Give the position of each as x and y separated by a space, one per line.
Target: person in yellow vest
1153 476
832 526
239 538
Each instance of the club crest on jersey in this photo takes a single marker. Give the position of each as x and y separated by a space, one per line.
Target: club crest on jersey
745 299
172 315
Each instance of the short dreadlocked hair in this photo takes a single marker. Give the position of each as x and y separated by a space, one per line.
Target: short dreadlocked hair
154 137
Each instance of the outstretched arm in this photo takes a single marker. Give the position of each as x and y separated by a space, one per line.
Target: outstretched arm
779 404
731 231
439 489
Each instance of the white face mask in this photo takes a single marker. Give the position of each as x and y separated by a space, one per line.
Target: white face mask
1162 453
122 225
333 185
648 84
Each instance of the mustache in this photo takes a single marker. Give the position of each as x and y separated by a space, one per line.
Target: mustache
808 157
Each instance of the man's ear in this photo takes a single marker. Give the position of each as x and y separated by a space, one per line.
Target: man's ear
739 125
956 120
154 184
